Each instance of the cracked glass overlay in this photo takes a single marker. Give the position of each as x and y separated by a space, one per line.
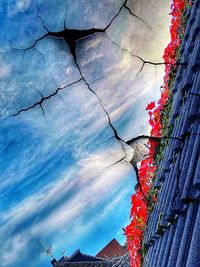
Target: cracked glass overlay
75 79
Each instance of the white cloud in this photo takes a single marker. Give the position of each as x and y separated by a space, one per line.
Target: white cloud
14 248
18 6
90 194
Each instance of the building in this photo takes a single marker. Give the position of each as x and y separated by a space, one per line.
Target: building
113 254
112 249
173 233
80 259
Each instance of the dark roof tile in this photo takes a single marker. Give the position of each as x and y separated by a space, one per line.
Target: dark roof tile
174 224
194 250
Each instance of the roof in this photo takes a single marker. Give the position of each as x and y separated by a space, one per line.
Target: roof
85 264
78 256
112 249
173 233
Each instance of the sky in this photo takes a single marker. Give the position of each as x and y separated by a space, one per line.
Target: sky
65 179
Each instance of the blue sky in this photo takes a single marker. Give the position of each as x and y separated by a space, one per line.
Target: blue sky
59 182
49 195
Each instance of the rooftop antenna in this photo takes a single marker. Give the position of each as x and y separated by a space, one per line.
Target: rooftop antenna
46 249
63 254
107 258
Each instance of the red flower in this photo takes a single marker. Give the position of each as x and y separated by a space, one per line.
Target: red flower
134 231
151 106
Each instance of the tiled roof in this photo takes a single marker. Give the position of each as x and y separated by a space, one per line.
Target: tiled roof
173 234
78 256
85 264
112 249
80 259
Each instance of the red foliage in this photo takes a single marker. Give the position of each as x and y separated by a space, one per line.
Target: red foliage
139 212
151 106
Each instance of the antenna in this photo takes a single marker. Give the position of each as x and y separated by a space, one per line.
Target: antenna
107 258
47 250
63 254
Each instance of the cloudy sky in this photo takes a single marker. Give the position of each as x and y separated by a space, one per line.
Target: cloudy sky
65 179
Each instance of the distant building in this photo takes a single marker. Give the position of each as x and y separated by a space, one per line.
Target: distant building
113 254
79 259
112 249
